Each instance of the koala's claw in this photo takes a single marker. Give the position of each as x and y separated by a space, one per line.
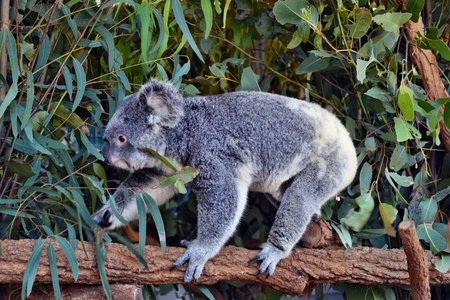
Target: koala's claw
185 243
269 257
197 255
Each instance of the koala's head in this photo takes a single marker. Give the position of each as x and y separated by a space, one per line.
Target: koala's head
142 121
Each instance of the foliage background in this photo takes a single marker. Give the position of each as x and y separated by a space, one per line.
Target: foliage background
66 65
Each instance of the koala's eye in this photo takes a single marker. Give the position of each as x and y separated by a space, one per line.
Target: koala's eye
122 139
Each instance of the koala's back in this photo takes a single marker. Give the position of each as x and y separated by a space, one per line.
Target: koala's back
270 136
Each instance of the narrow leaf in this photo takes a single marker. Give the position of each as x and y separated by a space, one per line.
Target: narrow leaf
100 254
208 14
30 271
165 160
90 147
142 223
179 16
70 254
81 83
249 80
54 270
205 290
130 246
388 214
157 218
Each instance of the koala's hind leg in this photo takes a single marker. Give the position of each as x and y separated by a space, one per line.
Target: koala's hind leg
303 199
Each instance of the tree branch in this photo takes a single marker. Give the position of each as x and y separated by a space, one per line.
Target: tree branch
362 265
417 264
427 67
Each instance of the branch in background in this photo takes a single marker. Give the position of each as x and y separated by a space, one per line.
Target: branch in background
426 64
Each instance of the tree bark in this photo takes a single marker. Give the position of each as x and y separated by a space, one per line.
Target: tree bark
417 264
362 265
427 67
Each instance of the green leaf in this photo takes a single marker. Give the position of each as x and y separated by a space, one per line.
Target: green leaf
429 210
157 218
344 235
179 17
146 26
447 115
402 130
388 214
289 11
82 209
443 264
44 53
392 21
30 271
297 38
379 94
72 236
402 180
68 117
205 290
365 178
119 217
109 40
162 33
361 65
72 24
165 160
441 194
399 158
69 252
90 147
187 174
249 80
142 223
54 270
216 71
415 8
389 179
10 96
179 186
313 64
81 83
356 220
363 20
100 254
208 15
436 241
30 100
405 102
12 54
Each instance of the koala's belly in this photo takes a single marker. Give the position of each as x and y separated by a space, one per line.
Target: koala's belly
271 180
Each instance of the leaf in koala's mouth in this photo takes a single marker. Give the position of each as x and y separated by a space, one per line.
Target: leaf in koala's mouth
165 160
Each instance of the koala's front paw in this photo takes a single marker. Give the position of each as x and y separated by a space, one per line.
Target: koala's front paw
197 254
270 256
104 218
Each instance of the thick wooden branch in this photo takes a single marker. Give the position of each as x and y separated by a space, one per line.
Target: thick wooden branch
362 265
417 264
426 64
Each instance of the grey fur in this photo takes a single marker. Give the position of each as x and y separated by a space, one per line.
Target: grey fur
297 153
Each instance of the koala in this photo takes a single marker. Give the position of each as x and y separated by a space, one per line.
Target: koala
295 152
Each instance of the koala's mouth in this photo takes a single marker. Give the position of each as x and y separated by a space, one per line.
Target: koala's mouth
120 163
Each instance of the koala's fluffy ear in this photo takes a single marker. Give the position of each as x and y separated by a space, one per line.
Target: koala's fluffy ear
164 101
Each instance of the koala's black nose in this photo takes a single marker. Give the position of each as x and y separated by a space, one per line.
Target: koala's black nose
105 220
